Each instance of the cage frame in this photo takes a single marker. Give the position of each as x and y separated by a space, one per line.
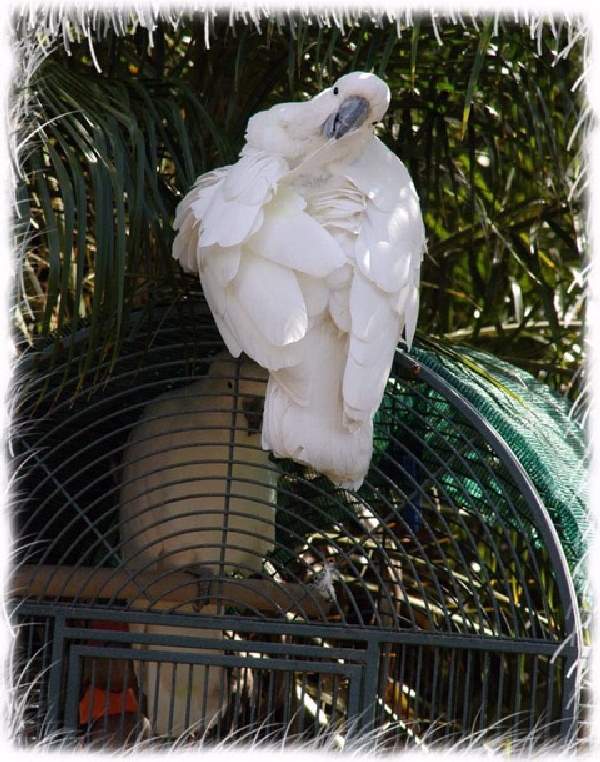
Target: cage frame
571 649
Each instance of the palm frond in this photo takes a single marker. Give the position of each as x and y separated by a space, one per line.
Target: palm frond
489 122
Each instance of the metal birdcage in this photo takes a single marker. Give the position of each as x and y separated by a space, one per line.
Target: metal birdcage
435 602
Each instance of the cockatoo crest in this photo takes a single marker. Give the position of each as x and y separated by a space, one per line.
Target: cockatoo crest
309 251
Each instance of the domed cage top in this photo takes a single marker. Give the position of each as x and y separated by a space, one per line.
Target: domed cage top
173 579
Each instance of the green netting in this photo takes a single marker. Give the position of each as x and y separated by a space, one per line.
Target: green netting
535 423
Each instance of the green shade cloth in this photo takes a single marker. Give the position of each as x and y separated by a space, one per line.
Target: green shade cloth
535 424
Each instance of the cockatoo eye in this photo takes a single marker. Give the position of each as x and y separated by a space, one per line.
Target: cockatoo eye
336 90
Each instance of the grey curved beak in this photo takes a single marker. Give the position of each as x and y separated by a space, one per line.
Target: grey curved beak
350 115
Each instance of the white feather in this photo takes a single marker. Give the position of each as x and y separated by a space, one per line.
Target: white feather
197 200
222 263
254 343
228 223
339 309
253 179
229 202
368 365
229 337
282 318
314 432
368 307
387 246
340 277
364 382
381 176
293 239
215 293
314 292
411 312
330 240
190 212
339 211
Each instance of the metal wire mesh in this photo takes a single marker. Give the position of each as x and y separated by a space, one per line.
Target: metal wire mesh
538 427
431 601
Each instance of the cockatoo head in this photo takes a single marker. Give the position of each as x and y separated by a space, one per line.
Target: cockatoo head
247 385
344 112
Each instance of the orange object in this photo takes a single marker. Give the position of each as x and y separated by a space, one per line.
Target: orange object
95 703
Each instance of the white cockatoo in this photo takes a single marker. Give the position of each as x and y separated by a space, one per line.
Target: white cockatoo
309 250
197 493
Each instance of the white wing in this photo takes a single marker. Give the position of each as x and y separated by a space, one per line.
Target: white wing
189 213
259 256
384 298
